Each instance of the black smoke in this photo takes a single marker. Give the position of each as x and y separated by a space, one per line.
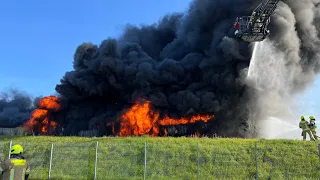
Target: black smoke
186 64
15 107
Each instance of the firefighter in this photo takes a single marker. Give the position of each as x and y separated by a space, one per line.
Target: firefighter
16 167
313 127
252 17
251 20
304 125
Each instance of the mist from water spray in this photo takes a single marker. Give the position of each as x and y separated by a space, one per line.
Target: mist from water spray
272 101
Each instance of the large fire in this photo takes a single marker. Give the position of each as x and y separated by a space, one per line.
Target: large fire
141 120
40 117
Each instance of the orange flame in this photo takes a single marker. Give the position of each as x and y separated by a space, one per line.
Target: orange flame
40 116
36 114
50 103
141 120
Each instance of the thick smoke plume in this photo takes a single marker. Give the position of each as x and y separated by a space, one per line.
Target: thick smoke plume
15 107
189 64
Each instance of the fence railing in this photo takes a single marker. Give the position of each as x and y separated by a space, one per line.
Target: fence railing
18 131
152 160
88 133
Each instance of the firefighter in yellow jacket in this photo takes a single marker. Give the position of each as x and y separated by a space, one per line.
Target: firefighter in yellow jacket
304 125
313 127
17 167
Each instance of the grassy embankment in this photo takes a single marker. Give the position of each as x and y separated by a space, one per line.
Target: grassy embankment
169 158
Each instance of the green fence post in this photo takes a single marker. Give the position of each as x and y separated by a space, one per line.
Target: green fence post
256 159
10 145
96 161
198 161
145 161
50 161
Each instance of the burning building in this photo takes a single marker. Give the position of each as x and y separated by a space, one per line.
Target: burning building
140 119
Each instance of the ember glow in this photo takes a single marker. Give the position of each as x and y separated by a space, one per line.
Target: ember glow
141 120
40 117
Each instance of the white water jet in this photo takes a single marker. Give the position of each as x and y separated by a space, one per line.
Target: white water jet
267 76
275 127
253 60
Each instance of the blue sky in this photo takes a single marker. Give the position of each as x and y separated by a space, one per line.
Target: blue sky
310 100
39 38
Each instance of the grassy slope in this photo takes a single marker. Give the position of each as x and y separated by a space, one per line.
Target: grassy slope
169 158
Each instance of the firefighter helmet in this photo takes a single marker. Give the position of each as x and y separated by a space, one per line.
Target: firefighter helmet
302 117
312 118
16 149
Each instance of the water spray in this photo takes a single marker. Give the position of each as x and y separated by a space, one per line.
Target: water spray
271 100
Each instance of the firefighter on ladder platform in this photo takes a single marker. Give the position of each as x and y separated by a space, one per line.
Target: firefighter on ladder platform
15 168
252 18
254 28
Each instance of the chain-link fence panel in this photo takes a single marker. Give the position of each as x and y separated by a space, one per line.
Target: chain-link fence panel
119 160
4 150
227 160
293 160
171 161
73 160
37 156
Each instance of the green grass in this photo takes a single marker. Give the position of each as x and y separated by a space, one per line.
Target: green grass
169 158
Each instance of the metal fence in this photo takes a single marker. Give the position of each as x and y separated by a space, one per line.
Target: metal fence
18 131
156 160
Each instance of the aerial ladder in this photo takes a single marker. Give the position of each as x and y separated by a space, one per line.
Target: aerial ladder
255 27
